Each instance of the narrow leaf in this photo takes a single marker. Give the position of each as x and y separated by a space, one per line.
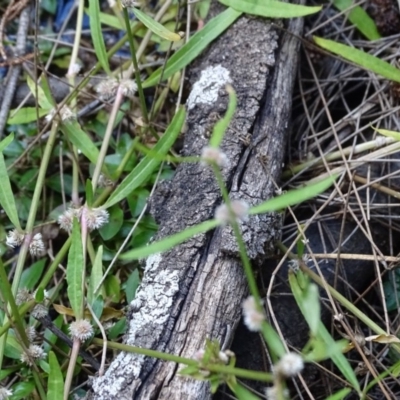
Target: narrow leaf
6 141
148 164
340 395
392 134
156 27
95 276
26 115
293 197
75 269
42 99
270 8
97 34
55 386
360 58
7 200
359 17
169 242
196 44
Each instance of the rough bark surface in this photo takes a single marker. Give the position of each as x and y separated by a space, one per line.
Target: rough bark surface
195 291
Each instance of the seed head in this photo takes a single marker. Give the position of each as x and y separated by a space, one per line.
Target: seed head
95 218
64 112
128 87
33 353
240 210
23 296
31 333
252 317
14 238
73 70
81 329
289 365
39 311
4 393
36 246
214 154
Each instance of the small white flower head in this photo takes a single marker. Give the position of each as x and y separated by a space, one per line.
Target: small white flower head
81 329
33 353
130 3
31 333
95 217
107 88
252 317
240 211
214 154
23 296
66 219
112 3
73 70
199 355
39 311
14 238
289 365
128 87
5 393
64 112
271 393
223 357
36 246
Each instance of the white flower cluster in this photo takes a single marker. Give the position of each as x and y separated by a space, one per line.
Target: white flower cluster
239 209
37 247
252 316
33 353
109 87
95 218
81 329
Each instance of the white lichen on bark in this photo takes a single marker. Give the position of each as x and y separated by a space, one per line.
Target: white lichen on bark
205 90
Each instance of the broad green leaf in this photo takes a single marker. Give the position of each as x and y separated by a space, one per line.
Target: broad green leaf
75 269
26 114
148 164
293 197
80 139
55 386
271 8
7 200
131 285
118 329
169 242
359 17
95 276
222 125
155 26
196 44
42 99
30 276
360 58
114 225
22 390
97 34
6 141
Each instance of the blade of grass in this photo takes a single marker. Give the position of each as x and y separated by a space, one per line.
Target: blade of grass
360 58
196 44
97 35
55 386
270 8
155 26
145 168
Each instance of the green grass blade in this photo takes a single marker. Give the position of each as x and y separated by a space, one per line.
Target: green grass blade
169 242
7 200
271 8
55 386
359 17
97 34
26 114
74 271
148 164
6 141
222 125
360 58
340 395
80 139
293 197
196 44
95 276
155 26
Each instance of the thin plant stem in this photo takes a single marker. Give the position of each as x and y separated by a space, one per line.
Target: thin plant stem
71 367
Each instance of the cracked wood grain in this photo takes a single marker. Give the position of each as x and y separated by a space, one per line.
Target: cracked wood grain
194 291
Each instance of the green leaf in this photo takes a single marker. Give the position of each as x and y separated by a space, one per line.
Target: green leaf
340 395
222 125
270 8
148 164
196 44
131 285
89 192
80 139
97 34
360 58
273 340
118 329
114 225
95 276
155 26
30 276
7 200
22 390
75 269
26 115
6 141
392 134
242 393
359 17
293 197
169 242
55 386
42 99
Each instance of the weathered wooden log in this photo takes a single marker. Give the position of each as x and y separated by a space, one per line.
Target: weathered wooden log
194 291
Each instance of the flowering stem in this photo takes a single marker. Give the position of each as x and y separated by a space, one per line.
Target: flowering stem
107 136
136 67
225 369
71 367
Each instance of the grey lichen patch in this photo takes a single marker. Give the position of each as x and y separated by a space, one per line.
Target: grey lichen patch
205 90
